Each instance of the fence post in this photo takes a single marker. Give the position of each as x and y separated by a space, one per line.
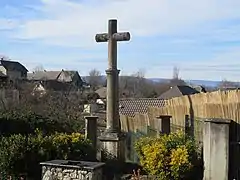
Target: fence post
216 148
164 124
187 124
91 129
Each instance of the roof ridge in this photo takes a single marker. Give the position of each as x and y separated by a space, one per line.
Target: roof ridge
10 61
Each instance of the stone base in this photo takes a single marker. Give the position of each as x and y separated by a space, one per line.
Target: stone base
112 136
113 145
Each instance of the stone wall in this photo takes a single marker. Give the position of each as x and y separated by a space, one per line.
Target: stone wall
68 173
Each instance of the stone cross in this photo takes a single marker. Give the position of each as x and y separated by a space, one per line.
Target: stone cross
113 139
112 73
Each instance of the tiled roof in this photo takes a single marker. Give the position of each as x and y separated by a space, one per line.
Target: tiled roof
178 91
129 107
44 75
13 65
52 75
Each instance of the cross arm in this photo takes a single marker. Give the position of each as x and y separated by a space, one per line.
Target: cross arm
123 36
102 37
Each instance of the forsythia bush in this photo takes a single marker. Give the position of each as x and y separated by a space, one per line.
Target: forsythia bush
169 156
21 154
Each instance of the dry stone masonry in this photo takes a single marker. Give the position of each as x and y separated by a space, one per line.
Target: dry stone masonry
71 170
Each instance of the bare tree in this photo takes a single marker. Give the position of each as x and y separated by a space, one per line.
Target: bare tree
95 79
140 83
38 68
137 86
3 57
225 84
176 81
139 74
175 72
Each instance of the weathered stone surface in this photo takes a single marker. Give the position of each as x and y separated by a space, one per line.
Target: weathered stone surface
62 171
54 173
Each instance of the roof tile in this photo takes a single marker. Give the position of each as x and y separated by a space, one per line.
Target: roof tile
129 107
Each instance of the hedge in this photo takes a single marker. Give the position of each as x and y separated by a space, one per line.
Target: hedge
25 122
22 154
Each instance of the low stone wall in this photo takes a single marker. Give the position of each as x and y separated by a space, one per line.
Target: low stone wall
60 170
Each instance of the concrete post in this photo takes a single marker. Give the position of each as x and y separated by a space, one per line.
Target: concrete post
91 129
164 124
216 149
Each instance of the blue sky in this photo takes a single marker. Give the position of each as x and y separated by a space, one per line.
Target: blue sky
201 38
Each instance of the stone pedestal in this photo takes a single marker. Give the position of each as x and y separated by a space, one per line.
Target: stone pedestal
113 145
164 124
216 149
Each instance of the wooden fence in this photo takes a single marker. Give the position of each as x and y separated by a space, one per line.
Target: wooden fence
219 104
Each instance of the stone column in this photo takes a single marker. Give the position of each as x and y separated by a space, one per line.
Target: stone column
113 140
164 124
91 129
112 101
216 148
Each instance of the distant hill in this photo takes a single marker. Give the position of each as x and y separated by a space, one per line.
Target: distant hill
204 83
207 83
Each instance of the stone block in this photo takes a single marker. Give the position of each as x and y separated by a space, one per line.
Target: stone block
71 170
216 148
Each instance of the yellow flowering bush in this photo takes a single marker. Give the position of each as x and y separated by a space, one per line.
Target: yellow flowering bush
170 156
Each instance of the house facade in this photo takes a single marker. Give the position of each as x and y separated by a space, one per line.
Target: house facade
69 77
42 87
64 81
12 70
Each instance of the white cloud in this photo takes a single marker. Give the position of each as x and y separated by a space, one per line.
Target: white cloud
8 24
74 23
82 62
224 65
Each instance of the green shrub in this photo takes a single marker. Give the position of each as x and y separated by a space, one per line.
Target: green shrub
21 154
169 156
25 122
